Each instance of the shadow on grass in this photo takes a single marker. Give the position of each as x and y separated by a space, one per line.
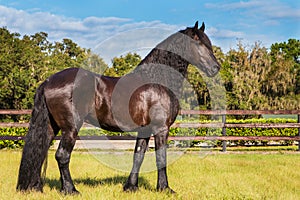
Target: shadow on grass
92 182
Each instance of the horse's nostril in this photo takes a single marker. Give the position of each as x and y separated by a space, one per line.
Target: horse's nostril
216 68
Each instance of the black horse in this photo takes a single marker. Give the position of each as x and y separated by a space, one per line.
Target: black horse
145 101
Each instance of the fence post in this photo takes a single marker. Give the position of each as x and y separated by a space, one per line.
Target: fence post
224 132
298 132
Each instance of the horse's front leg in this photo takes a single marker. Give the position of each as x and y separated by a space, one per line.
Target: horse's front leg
63 155
161 138
139 153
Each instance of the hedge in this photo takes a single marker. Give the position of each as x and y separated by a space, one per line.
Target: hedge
239 132
183 132
13 131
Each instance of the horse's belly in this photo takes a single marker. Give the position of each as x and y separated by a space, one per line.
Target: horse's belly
108 123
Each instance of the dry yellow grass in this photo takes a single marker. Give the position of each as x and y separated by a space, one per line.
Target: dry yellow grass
216 176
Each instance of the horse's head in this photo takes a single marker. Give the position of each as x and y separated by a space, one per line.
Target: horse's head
200 50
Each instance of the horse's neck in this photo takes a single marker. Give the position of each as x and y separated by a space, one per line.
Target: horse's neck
160 57
163 68
171 52
165 64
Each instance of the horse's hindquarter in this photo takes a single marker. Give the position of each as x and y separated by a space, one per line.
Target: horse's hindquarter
153 105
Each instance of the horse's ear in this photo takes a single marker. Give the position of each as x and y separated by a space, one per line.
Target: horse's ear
202 28
196 26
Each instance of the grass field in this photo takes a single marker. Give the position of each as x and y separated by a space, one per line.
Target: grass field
216 176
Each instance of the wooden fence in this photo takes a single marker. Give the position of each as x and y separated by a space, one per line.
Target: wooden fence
223 125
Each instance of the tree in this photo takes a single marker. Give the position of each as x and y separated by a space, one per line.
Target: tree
201 89
28 61
196 95
258 79
290 52
254 78
123 65
94 63
18 60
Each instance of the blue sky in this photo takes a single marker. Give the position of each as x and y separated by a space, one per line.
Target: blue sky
96 24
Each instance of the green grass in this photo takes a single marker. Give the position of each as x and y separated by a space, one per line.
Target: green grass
192 176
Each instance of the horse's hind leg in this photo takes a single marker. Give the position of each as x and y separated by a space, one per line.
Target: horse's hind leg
161 159
53 128
139 153
63 155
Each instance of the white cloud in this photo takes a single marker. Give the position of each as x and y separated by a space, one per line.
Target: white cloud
140 40
107 36
30 22
88 32
255 20
281 11
90 21
235 5
267 9
214 32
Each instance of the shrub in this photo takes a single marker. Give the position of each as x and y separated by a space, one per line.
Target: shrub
13 131
238 132
182 132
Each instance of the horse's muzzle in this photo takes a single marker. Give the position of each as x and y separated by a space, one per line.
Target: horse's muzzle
213 71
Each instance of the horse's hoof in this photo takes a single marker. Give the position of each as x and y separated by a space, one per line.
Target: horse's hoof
70 192
167 190
130 188
75 192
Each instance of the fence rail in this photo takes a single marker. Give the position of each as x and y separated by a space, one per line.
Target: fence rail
222 125
222 138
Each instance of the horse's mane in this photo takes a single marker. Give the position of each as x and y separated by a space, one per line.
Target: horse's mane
169 53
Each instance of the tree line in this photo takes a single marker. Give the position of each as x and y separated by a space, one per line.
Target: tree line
254 77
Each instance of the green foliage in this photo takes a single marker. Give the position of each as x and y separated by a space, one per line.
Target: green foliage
289 51
123 65
206 132
100 132
181 132
269 132
12 132
259 79
195 93
253 77
28 61
94 63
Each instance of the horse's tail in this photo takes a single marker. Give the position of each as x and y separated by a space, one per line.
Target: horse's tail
37 143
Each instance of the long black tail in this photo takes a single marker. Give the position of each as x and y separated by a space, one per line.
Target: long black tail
37 143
